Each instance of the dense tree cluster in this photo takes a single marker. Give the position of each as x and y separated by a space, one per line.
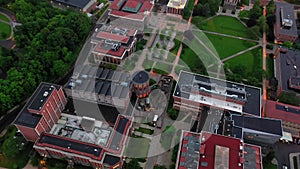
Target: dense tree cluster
48 39
206 8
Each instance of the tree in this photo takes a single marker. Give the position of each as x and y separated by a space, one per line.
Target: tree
256 11
289 98
10 147
262 22
133 164
159 167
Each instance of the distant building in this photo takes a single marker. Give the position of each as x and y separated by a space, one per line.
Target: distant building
82 5
113 44
230 4
194 91
287 70
102 86
41 112
290 116
176 6
131 14
86 141
285 28
210 151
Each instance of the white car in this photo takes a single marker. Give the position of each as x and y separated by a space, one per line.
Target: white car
284 167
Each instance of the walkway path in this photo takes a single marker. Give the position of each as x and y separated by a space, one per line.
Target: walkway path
239 53
230 36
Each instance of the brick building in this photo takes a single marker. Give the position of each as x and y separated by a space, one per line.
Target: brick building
176 6
86 141
287 70
41 112
287 113
113 44
131 14
285 28
230 4
209 151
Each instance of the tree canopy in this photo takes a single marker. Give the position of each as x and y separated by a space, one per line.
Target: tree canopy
49 40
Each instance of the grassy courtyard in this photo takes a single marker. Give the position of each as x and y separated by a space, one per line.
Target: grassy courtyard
250 60
5 30
137 148
4 18
226 46
227 25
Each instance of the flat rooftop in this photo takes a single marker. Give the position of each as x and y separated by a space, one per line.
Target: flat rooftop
70 126
178 4
209 151
74 3
285 11
218 93
106 49
266 125
41 95
69 145
36 102
100 81
289 68
285 112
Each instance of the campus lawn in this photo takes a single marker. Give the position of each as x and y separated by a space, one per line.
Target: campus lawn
194 63
226 46
162 68
147 64
5 30
4 18
250 60
197 20
137 147
227 25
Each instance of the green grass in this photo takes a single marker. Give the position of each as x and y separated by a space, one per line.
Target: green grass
137 147
249 60
163 67
5 30
167 137
145 130
197 20
147 64
21 159
270 166
227 25
189 57
244 14
176 47
226 46
4 18
171 58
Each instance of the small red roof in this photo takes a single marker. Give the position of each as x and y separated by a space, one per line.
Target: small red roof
114 37
275 110
99 48
127 15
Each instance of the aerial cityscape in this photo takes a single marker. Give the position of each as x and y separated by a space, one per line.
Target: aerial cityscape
149 84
